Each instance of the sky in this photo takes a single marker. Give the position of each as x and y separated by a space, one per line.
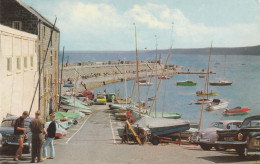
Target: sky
101 25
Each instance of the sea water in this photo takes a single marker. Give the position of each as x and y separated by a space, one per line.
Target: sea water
243 70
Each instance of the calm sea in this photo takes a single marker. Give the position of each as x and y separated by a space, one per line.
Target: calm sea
242 70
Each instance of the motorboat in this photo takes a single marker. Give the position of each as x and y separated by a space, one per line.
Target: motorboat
217 104
186 83
221 83
236 111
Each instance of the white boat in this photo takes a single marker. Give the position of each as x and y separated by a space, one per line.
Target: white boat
206 101
217 104
145 83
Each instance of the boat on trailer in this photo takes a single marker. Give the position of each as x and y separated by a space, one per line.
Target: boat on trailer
236 111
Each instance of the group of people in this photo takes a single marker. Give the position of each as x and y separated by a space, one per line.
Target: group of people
39 147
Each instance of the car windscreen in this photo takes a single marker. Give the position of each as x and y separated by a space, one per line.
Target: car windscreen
217 125
252 123
8 123
234 125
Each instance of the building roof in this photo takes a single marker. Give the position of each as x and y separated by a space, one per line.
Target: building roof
37 14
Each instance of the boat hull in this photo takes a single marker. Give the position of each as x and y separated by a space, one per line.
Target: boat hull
186 83
207 94
220 83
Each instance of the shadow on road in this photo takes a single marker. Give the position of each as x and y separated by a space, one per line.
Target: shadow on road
7 155
230 159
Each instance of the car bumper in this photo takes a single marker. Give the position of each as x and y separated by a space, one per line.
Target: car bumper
252 152
231 142
15 144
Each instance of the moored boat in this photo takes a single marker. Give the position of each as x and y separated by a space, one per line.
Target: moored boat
236 111
217 104
221 83
206 101
186 83
145 83
200 93
164 77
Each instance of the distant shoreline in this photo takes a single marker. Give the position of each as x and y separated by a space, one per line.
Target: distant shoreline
250 50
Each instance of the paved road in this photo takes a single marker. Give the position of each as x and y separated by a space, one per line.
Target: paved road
94 141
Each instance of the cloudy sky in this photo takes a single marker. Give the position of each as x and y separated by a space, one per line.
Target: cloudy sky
108 24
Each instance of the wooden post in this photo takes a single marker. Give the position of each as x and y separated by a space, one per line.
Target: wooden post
56 81
136 136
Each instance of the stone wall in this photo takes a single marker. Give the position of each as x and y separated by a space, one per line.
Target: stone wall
13 11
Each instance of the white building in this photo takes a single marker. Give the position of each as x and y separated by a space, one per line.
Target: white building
18 71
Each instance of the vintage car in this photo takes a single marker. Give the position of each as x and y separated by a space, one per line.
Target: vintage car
206 137
7 131
101 99
245 140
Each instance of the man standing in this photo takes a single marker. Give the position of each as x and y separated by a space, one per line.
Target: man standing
20 133
37 128
51 130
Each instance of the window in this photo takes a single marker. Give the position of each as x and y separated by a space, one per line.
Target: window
31 61
17 25
25 63
18 63
9 64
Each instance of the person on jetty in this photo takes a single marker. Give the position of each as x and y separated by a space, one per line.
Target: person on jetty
20 134
37 128
51 131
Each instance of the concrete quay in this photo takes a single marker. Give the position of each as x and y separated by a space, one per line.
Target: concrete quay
94 140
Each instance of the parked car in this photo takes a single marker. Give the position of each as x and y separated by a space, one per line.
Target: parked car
101 99
7 131
246 140
88 94
206 137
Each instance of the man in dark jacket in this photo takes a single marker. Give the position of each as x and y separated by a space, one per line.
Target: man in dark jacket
37 128
51 130
20 133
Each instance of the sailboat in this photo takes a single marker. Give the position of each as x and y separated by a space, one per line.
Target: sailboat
222 82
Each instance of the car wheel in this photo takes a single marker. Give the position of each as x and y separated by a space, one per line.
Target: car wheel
241 152
220 148
205 147
27 149
155 140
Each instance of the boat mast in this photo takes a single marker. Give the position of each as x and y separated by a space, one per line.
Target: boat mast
137 71
156 74
125 85
61 77
159 83
146 100
202 105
